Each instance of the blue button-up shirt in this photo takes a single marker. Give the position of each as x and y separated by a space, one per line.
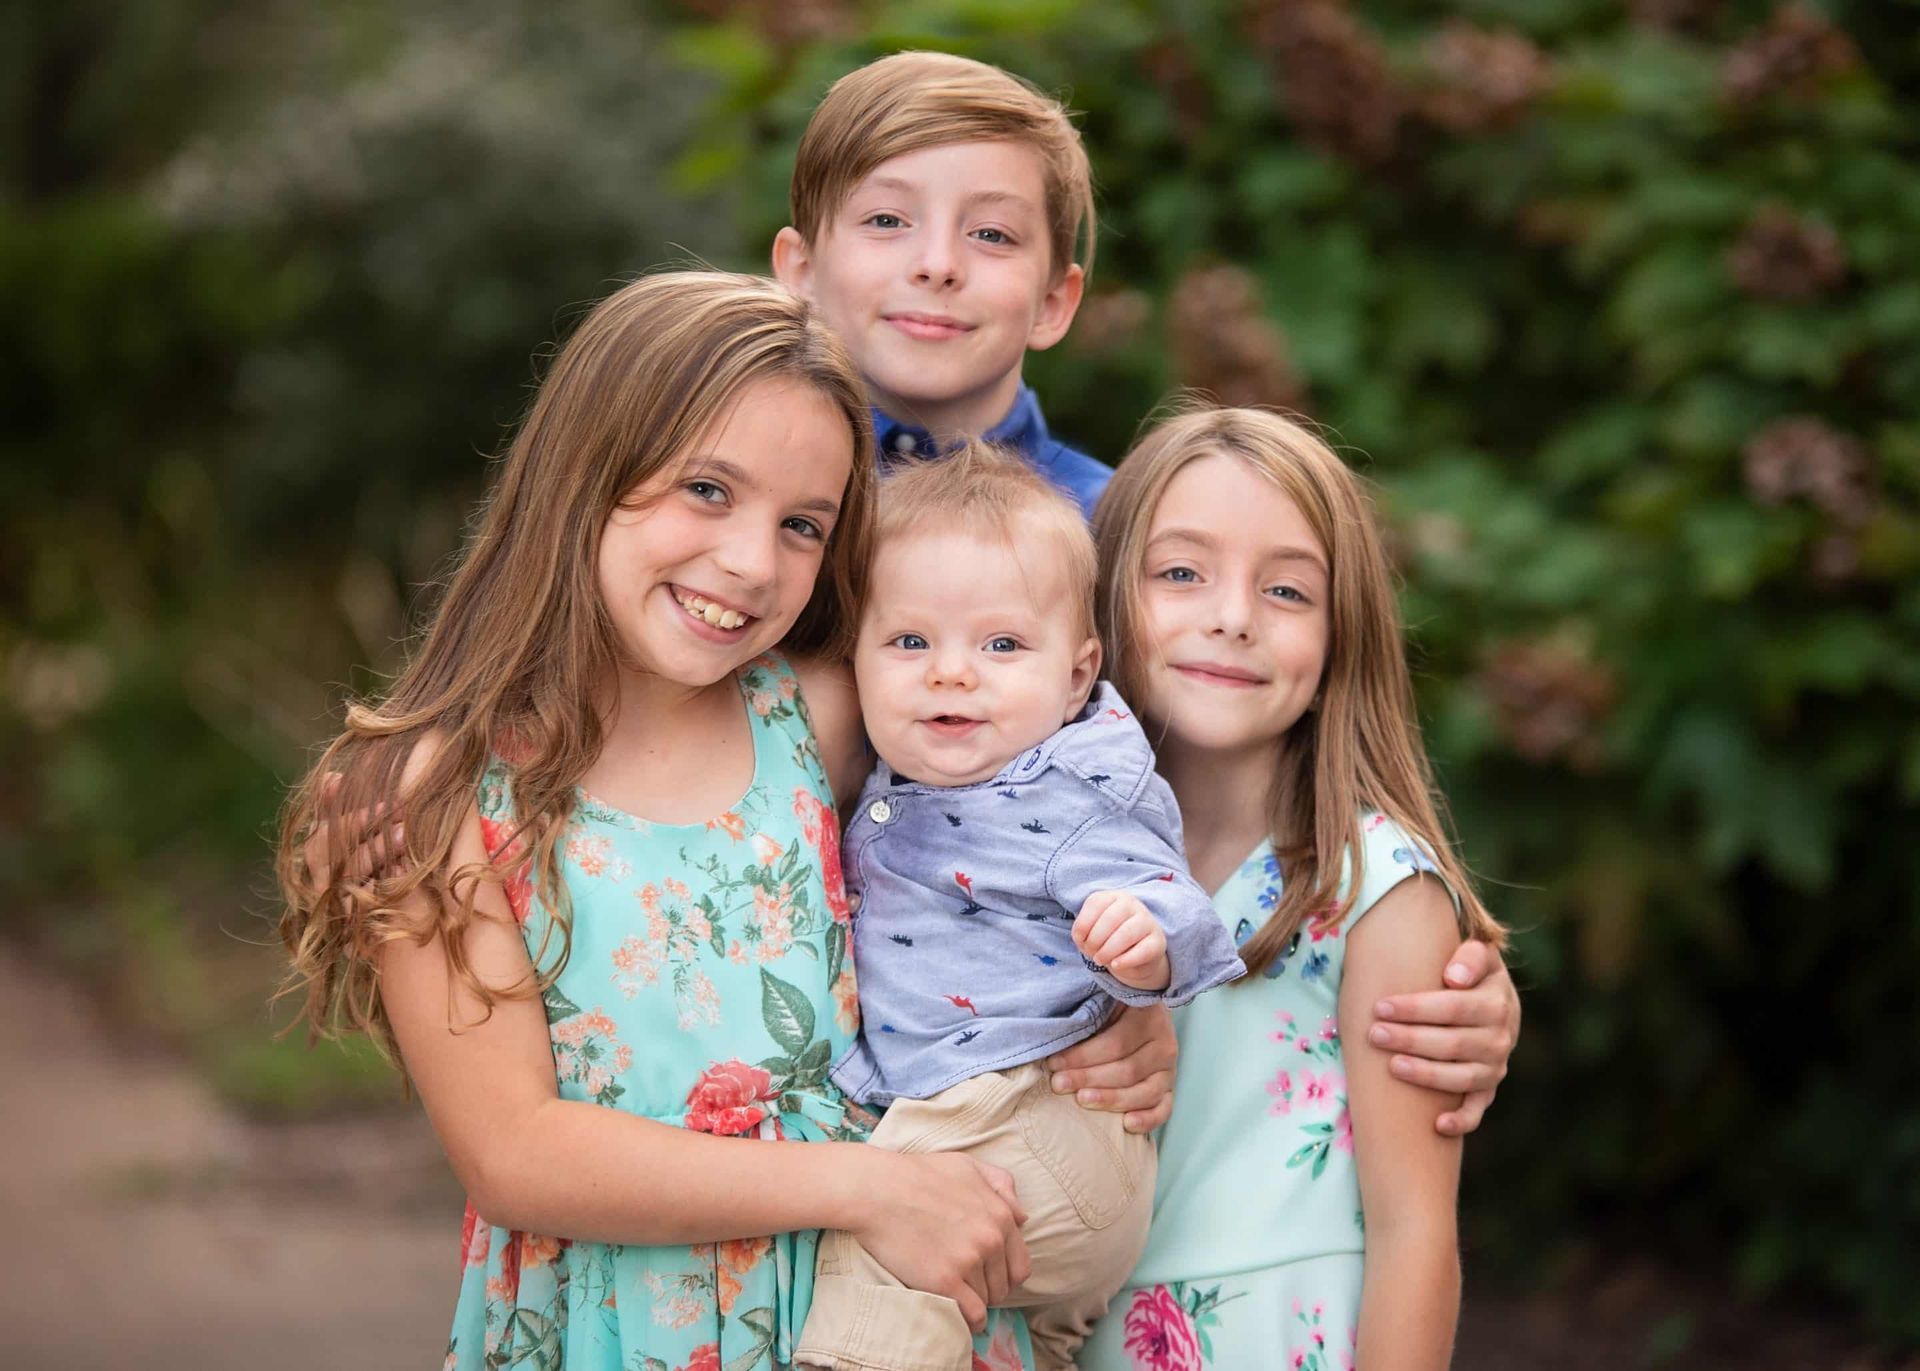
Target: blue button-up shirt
1024 430
966 897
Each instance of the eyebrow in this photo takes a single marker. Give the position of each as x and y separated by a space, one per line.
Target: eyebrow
733 471
1201 538
982 197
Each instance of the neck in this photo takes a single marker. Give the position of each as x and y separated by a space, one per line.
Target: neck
1224 798
635 704
961 416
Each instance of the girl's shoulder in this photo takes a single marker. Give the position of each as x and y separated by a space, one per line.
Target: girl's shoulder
1389 855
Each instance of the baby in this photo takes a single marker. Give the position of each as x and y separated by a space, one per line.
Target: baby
1015 866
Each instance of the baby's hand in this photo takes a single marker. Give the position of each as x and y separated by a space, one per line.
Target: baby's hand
1116 931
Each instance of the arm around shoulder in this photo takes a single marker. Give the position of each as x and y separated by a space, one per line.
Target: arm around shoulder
1409 1174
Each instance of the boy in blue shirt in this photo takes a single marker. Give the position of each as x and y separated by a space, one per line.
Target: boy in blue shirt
943 223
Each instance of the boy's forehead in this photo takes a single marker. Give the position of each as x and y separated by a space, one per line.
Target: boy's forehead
976 568
984 170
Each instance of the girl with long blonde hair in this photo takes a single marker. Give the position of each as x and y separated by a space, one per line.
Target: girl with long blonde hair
613 958
1305 1207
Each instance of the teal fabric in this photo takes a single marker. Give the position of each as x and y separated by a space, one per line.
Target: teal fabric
1255 1255
709 986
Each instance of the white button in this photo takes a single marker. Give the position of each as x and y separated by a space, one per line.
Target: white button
853 902
903 442
879 811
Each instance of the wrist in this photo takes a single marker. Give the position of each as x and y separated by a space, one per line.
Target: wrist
852 1185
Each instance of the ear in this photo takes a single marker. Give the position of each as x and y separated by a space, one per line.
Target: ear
1057 308
793 262
1086 671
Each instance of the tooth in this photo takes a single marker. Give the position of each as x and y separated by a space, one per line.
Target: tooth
711 613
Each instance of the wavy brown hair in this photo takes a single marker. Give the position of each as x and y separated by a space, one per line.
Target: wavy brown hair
1361 748
509 663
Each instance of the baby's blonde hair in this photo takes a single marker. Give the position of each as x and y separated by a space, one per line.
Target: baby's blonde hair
915 100
988 490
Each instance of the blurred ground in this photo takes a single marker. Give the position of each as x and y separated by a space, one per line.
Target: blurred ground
152 1226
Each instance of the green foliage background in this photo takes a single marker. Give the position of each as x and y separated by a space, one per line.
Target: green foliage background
1617 302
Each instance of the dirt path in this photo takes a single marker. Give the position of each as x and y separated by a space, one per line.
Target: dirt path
147 1226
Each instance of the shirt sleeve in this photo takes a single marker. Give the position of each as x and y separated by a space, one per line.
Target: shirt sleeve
1134 851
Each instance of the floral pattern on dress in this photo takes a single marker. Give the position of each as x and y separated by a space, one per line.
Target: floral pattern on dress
710 986
1170 1327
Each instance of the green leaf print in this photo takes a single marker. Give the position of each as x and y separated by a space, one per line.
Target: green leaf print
787 1013
642 1362
760 1320
836 950
1318 1151
810 1068
558 1006
754 1355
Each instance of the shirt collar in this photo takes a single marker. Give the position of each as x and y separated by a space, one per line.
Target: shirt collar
1024 430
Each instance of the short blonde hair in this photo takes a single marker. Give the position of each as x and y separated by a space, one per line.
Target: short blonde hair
991 491
915 100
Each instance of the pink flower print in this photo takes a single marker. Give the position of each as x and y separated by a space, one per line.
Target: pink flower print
728 1099
1002 1354
1299 1358
1284 1018
1159 1335
475 1238
1343 1131
706 1357
1321 1088
761 702
1329 1031
846 1002
509 853
635 966
765 850
733 824
773 920
700 1002
1296 1304
1375 822
1319 1308
1303 1043
677 889
737 953
1281 1088
820 826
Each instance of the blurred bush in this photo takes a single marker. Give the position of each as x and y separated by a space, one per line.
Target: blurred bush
1618 303
270 280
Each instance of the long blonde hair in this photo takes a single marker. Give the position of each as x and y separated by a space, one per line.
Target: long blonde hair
1361 748
521 637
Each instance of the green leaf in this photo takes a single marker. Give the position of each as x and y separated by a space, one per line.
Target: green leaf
787 1013
558 1006
836 950
760 1320
811 1065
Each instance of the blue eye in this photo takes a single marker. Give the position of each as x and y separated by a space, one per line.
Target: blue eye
911 642
806 528
890 220
1286 592
997 235
712 492
1003 643
1180 575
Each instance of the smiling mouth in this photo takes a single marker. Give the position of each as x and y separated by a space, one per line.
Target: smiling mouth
709 613
1222 676
926 326
951 723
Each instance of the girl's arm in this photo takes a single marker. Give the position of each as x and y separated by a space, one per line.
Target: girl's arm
1458 1040
1409 1174
532 1161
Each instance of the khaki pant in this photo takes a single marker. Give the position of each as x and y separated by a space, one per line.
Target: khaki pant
1086 1184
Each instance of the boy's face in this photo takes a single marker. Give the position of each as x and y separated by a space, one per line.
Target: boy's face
937 274
969 653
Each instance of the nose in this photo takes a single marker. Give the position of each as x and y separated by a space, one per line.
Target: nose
1231 610
938 261
951 667
749 555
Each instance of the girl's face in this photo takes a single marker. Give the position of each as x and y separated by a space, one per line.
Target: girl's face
1234 609
708 565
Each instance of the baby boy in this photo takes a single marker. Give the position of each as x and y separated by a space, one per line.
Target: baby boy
1015 866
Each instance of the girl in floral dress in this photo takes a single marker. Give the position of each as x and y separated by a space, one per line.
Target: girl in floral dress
1304 1214
615 958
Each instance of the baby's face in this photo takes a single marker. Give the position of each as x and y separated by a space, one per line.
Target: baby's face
970 652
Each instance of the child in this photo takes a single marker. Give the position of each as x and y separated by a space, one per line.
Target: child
1016 867
943 222
617 947
1304 1213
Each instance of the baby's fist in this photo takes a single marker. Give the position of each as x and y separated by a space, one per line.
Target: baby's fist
1114 930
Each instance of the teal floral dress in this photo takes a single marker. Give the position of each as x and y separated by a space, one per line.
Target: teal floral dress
709 986
1255 1257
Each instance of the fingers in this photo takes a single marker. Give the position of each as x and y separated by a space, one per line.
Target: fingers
1131 1097
1452 1078
1486 1046
1470 964
973 1308
1457 1123
1146 1120
1101 930
1121 1038
1484 1007
1019 1263
1003 1183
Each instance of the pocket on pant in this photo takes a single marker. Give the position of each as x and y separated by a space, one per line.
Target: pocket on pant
1097 1164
